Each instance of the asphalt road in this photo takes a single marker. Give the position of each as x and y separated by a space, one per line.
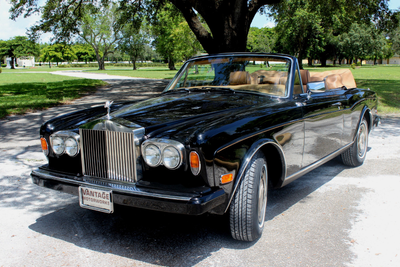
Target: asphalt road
333 216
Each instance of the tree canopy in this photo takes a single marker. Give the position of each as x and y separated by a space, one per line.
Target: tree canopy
309 28
172 36
227 22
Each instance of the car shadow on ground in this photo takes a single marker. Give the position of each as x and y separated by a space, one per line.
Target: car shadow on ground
168 239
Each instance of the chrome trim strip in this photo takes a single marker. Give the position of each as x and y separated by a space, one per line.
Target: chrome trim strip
122 188
315 165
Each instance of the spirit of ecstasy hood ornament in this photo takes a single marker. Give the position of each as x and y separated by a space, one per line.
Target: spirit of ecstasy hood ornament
108 106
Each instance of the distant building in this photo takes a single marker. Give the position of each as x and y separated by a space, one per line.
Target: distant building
22 62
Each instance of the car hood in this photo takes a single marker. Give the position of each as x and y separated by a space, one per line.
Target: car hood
168 110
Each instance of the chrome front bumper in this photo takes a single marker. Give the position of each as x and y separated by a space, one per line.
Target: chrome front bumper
131 195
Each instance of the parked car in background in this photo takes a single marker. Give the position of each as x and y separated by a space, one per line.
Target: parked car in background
226 129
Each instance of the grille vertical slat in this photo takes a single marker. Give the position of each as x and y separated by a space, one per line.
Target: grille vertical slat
108 154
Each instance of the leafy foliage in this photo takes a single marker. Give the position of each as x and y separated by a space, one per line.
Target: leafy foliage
134 41
261 40
100 29
173 38
57 53
310 28
19 46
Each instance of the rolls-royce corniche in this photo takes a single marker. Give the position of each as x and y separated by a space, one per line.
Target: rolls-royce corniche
226 129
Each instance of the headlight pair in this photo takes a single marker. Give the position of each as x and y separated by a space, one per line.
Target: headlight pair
65 142
163 152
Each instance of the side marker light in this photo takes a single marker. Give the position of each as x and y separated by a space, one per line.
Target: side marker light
226 178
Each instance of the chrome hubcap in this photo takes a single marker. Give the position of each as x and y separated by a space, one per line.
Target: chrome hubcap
262 196
362 140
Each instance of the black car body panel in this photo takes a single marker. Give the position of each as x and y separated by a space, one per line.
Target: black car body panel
222 121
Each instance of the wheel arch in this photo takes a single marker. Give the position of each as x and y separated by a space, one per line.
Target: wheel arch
365 113
276 164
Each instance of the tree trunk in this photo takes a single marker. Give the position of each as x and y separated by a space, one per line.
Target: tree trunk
323 62
300 58
171 64
309 59
133 59
100 60
229 22
12 63
49 65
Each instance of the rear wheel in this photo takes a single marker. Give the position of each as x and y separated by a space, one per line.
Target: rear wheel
247 210
355 155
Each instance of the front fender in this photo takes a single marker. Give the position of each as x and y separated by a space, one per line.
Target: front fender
261 144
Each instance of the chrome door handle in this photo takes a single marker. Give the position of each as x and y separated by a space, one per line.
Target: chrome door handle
337 104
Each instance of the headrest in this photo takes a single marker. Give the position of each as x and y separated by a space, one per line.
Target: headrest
333 81
239 77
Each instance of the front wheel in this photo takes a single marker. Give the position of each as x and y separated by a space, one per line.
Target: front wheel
248 207
355 155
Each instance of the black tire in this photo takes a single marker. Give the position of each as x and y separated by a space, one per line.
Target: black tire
355 155
248 207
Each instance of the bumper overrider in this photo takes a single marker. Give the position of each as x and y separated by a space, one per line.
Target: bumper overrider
132 195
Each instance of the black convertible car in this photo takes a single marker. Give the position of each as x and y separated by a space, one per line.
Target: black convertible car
228 127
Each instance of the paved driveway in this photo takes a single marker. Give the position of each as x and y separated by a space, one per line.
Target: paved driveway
333 216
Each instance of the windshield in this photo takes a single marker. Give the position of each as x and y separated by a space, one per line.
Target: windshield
261 74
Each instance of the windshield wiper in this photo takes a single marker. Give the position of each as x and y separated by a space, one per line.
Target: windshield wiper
227 89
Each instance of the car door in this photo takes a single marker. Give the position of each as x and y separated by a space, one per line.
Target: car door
323 114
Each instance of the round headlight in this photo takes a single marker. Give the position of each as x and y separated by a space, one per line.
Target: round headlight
171 157
58 145
71 147
152 155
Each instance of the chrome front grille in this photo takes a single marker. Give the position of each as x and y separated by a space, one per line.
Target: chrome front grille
108 154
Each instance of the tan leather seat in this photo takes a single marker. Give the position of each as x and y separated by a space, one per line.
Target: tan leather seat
267 76
346 75
239 77
333 81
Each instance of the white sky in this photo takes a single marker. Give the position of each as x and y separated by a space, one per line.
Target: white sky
10 28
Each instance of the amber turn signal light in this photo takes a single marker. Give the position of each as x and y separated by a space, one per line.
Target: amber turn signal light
226 178
45 147
195 165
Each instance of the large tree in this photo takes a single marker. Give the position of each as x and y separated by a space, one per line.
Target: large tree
18 46
134 41
84 52
228 21
226 29
172 37
57 53
101 30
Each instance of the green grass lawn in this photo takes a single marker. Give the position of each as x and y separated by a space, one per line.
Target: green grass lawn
41 69
24 92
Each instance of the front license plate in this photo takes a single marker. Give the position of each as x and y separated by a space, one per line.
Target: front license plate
96 199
